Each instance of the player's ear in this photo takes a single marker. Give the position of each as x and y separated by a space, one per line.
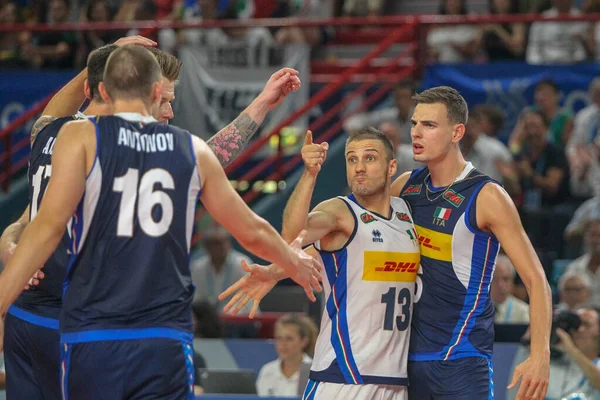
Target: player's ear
103 92
459 132
157 88
86 90
393 167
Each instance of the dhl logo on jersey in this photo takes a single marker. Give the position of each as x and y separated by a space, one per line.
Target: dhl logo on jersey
434 244
387 266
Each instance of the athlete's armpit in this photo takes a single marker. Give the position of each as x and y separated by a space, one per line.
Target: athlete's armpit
40 124
229 142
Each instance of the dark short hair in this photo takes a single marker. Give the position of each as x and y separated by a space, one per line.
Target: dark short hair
405 84
130 73
169 64
376 134
539 114
547 82
493 113
458 111
96 63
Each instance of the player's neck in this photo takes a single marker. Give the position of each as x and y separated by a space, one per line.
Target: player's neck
131 106
446 170
377 203
98 108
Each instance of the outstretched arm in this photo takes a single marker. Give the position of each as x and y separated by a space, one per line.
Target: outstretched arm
250 230
496 213
229 142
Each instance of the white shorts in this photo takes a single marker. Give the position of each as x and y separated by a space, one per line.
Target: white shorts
332 391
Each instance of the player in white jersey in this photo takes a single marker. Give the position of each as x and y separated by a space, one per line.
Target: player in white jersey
371 255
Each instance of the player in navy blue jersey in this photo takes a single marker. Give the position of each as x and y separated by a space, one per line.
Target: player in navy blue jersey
462 217
132 185
31 343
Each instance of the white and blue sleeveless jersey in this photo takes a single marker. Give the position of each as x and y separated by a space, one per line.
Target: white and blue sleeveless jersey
369 287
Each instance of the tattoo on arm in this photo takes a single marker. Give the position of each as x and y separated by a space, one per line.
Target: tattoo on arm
40 124
229 142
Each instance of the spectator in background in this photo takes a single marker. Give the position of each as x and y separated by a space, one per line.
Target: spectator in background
542 167
491 119
509 309
98 11
295 339
557 42
489 155
574 291
310 35
362 8
218 269
401 112
583 149
15 47
403 151
57 49
588 211
205 10
453 43
576 370
559 120
589 262
147 10
503 42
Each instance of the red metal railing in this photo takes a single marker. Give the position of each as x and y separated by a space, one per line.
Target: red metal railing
324 93
368 71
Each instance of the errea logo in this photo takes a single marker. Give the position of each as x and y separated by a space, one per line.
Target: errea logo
377 236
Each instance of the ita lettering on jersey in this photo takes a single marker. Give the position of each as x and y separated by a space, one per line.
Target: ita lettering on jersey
441 215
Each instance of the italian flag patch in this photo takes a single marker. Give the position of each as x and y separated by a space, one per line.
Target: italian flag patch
442 213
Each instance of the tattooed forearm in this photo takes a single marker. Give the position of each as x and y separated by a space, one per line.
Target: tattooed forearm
40 124
229 142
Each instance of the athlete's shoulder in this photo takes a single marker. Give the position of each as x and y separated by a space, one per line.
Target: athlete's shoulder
48 125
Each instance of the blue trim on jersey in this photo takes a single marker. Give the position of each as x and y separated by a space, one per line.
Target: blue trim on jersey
311 390
491 370
34 319
336 309
76 234
196 164
126 334
65 367
188 353
318 243
475 229
485 249
438 356
353 198
96 156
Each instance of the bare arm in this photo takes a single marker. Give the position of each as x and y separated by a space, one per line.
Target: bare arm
42 235
11 235
295 214
69 99
227 207
496 213
549 183
229 142
587 366
399 183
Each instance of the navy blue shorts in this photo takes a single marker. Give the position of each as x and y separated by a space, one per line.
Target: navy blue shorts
31 356
461 379
128 369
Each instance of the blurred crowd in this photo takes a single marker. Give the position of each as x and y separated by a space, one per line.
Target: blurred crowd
537 43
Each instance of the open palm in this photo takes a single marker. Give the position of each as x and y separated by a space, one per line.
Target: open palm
253 286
